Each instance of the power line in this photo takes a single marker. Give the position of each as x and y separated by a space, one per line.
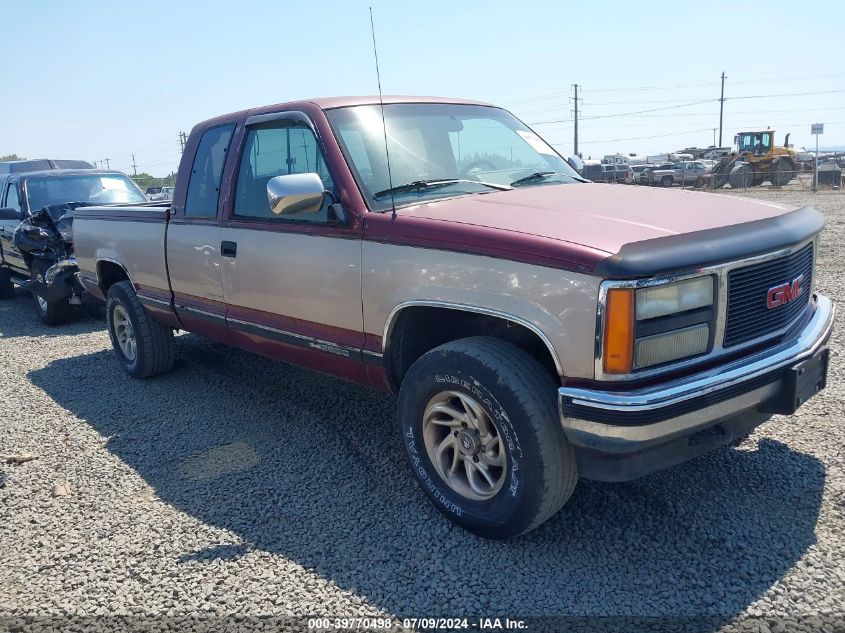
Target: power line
778 79
647 88
788 94
607 116
691 114
677 86
701 121
638 138
550 95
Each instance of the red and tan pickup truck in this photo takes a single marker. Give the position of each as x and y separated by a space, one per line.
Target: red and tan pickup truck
536 327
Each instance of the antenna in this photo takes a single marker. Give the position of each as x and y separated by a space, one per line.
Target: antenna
383 124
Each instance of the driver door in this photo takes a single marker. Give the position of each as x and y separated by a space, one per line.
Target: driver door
11 255
292 283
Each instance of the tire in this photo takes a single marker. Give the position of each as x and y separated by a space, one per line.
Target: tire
741 176
152 350
518 396
782 172
51 313
666 181
7 288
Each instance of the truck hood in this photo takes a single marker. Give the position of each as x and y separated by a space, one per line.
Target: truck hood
598 216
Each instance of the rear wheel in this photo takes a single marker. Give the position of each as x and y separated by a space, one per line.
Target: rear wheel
143 347
51 312
481 431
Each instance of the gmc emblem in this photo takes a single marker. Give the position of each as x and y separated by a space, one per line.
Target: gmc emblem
784 293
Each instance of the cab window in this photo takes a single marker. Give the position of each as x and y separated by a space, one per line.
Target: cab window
275 149
12 198
207 172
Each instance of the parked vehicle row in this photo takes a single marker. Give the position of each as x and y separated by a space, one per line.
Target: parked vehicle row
36 237
536 327
685 172
157 194
608 172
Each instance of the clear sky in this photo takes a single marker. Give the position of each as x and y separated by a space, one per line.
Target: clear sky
107 79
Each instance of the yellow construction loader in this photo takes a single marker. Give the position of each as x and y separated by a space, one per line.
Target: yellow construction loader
756 160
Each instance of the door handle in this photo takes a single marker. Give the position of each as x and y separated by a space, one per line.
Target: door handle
228 249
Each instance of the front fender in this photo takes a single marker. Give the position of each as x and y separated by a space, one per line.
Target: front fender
557 305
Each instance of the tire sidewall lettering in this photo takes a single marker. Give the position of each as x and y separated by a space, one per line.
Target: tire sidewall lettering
508 500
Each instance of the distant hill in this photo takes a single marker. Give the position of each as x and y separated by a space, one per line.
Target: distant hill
831 148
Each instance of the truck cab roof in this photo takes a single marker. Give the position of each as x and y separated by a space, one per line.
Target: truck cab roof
40 164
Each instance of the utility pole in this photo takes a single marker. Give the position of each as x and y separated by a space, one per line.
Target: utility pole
576 118
106 160
134 166
182 142
714 137
721 108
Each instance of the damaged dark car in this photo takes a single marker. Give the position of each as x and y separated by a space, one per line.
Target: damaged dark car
36 234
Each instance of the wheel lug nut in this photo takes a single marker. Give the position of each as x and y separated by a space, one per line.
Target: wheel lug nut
475 458
456 434
464 424
483 448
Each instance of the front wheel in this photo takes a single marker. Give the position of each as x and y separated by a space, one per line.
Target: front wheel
7 288
143 347
51 312
481 431
666 181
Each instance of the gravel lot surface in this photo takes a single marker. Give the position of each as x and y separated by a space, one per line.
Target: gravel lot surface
236 487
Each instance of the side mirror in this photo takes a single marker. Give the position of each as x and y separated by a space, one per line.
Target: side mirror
10 214
296 193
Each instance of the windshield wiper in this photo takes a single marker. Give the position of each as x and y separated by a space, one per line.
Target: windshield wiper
537 175
422 185
542 175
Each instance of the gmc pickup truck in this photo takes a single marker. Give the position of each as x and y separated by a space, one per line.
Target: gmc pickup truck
537 328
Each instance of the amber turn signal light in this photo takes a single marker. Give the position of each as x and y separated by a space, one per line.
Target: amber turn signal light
619 331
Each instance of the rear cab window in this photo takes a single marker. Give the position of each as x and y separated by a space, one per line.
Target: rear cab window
207 172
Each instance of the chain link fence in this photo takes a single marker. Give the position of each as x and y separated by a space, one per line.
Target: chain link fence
744 176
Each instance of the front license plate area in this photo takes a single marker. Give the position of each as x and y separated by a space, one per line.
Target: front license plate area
804 380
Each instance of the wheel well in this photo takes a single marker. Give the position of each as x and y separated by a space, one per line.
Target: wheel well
418 329
109 273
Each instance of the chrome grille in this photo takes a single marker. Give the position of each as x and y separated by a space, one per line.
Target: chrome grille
748 316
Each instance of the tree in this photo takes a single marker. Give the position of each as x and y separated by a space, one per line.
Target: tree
145 180
11 157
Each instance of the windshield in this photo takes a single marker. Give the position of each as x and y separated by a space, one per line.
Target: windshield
469 144
94 189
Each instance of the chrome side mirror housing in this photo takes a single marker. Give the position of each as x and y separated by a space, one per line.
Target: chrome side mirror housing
301 194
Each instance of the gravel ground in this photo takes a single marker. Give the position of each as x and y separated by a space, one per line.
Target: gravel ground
236 490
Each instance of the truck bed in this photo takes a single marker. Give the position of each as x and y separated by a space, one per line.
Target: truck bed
124 235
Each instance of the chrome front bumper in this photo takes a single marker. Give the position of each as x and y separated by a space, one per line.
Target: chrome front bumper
622 423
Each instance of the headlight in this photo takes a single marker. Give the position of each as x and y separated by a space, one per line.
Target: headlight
657 324
662 348
676 297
